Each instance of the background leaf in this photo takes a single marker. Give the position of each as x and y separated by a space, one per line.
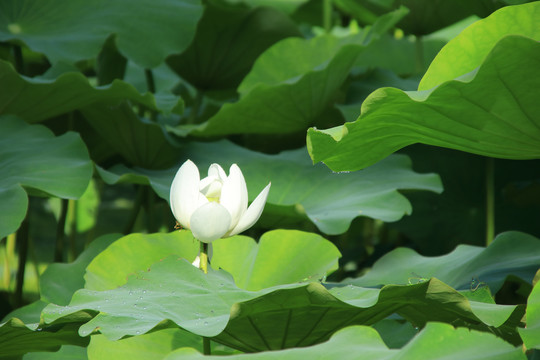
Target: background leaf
531 334
60 281
34 160
331 202
73 30
293 82
227 42
70 91
139 141
17 339
489 265
469 49
494 114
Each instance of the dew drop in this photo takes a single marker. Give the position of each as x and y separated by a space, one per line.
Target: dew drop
137 332
134 305
130 292
206 323
140 297
144 308
144 291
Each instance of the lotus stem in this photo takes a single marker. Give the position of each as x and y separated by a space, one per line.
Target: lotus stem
490 200
60 231
196 107
9 259
18 57
22 238
151 87
135 210
419 47
327 15
203 265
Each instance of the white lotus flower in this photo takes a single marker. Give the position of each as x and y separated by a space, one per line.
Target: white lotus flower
215 206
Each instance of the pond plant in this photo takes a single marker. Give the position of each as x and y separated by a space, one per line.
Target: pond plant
383 192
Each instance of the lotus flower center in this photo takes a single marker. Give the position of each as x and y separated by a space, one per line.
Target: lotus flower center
211 188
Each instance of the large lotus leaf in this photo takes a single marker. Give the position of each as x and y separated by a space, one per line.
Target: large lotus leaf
435 341
264 264
138 141
70 91
273 318
33 159
489 266
493 114
531 334
59 281
153 345
66 352
170 289
227 42
72 30
111 267
251 264
331 201
292 83
18 338
468 50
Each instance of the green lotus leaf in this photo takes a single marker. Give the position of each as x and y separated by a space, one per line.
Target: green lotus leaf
74 30
34 160
255 266
425 16
139 141
292 83
468 50
288 7
302 93
331 202
111 267
18 338
227 42
314 256
68 92
467 267
153 345
434 342
493 114
273 318
66 352
59 281
531 334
